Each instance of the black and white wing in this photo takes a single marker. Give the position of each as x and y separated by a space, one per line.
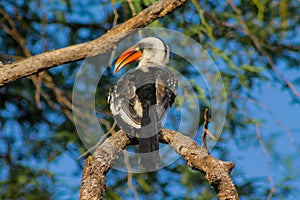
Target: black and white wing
166 86
125 104
137 91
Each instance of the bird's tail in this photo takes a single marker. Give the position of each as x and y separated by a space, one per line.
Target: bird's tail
149 153
149 142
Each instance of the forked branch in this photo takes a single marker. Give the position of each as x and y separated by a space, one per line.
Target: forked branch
216 172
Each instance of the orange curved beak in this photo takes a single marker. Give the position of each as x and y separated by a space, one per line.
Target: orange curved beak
130 55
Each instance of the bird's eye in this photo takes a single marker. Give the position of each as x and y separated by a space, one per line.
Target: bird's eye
140 47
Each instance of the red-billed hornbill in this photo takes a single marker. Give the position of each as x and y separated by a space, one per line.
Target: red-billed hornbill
141 97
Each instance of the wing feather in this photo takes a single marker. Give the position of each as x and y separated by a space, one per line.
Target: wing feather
132 93
123 101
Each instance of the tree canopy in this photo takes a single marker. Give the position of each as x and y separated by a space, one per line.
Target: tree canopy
254 44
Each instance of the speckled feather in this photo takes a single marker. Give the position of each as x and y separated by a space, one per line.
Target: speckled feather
139 89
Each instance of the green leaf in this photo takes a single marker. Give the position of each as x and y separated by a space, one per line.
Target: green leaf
145 186
253 69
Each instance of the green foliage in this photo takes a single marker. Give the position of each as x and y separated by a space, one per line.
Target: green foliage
36 129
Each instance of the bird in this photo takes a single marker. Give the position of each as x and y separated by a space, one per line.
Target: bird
139 100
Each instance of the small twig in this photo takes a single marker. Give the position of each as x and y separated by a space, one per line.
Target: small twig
129 176
41 77
13 32
218 21
269 160
205 125
133 11
205 129
280 76
275 118
132 8
203 20
99 142
116 16
44 25
210 135
17 36
38 87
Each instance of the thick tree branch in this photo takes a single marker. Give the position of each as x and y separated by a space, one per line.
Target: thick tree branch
216 171
96 166
101 45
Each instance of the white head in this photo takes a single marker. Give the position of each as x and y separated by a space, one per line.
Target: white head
149 51
154 51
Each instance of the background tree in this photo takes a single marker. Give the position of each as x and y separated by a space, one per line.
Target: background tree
254 44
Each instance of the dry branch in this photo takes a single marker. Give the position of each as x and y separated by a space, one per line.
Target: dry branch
101 45
216 172
96 166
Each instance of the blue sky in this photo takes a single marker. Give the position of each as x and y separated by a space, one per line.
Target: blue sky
253 161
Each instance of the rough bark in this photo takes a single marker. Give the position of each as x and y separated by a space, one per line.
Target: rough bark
101 45
216 172
96 166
